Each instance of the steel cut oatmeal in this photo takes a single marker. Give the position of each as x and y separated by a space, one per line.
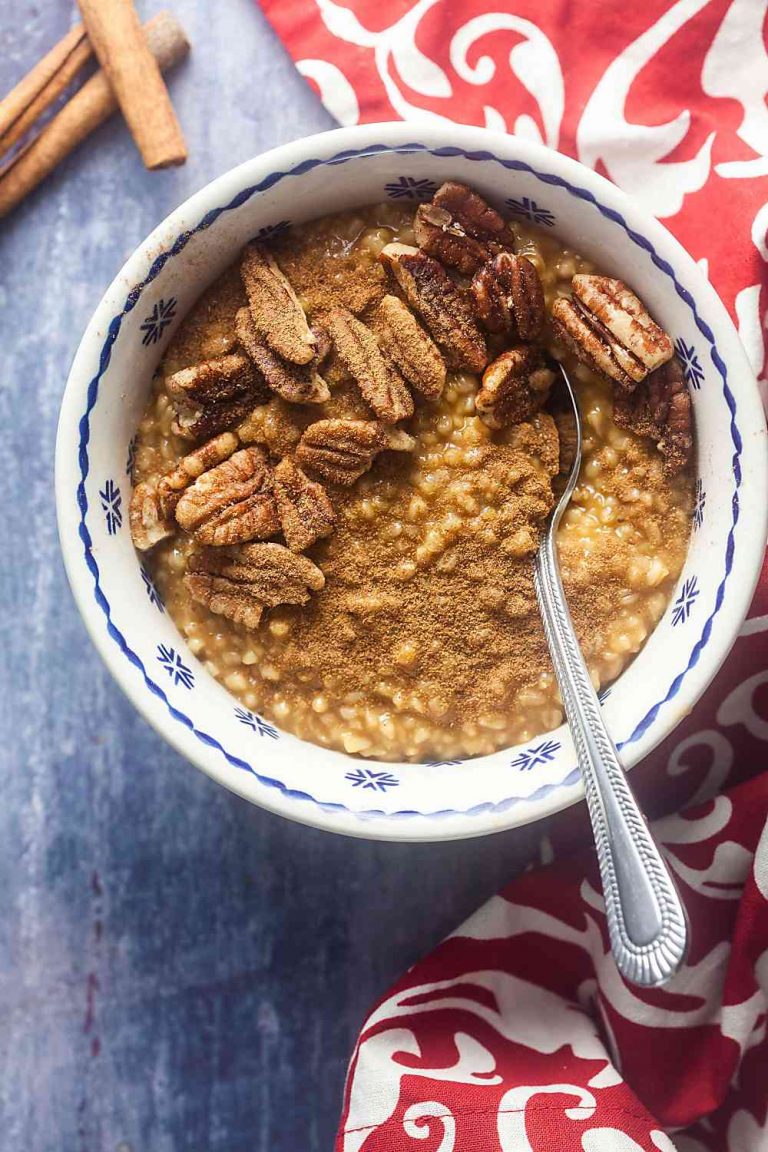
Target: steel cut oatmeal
347 462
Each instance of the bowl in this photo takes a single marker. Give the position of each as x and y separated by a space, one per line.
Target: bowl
109 384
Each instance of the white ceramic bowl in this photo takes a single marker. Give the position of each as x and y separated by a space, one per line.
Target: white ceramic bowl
108 388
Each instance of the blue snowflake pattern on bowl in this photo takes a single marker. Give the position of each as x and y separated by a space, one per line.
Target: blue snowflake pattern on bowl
130 460
372 781
604 693
699 503
685 601
158 320
272 231
152 592
254 721
530 210
112 506
410 188
442 763
692 369
175 666
534 757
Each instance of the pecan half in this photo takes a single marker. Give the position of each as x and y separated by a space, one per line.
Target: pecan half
515 387
297 383
274 306
305 511
240 583
409 347
429 290
153 504
509 297
212 396
172 486
380 383
608 328
660 408
231 503
460 229
676 445
341 450
148 523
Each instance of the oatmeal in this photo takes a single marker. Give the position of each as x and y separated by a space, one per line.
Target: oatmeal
347 463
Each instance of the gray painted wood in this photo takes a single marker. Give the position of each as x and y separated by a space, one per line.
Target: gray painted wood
178 970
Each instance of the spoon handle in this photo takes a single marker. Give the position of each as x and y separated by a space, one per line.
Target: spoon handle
646 920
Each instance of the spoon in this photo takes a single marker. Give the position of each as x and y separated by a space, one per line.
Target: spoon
646 921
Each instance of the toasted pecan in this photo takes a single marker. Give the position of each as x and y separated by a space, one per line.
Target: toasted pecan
211 396
445 310
304 507
660 408
608 328
212 381
171 487
379 381
148 524
509 296
274 306
241 582
409 347
297 383
232 502
515 386
340 450
460 229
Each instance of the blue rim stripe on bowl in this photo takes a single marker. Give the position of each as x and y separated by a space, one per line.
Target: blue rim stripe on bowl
242 197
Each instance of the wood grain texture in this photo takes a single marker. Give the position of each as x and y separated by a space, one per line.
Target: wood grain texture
179 971
117 38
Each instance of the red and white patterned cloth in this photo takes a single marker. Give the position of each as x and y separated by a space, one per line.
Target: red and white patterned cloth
517 1034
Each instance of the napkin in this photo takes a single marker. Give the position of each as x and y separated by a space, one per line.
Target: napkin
517 1033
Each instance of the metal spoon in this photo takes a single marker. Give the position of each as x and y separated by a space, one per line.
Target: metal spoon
646 920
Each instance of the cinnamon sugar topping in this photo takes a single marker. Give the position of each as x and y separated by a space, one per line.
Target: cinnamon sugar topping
367 582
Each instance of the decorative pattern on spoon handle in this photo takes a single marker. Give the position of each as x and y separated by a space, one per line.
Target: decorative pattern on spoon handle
646 920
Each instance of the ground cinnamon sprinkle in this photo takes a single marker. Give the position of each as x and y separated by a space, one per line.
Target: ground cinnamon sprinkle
345 277
426 642
431 603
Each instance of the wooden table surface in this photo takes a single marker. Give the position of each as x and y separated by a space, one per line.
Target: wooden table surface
178 970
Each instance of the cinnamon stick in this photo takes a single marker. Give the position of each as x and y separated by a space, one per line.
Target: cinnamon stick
42 86
89 107
119 42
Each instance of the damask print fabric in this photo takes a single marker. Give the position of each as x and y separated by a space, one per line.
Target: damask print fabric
517 1034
